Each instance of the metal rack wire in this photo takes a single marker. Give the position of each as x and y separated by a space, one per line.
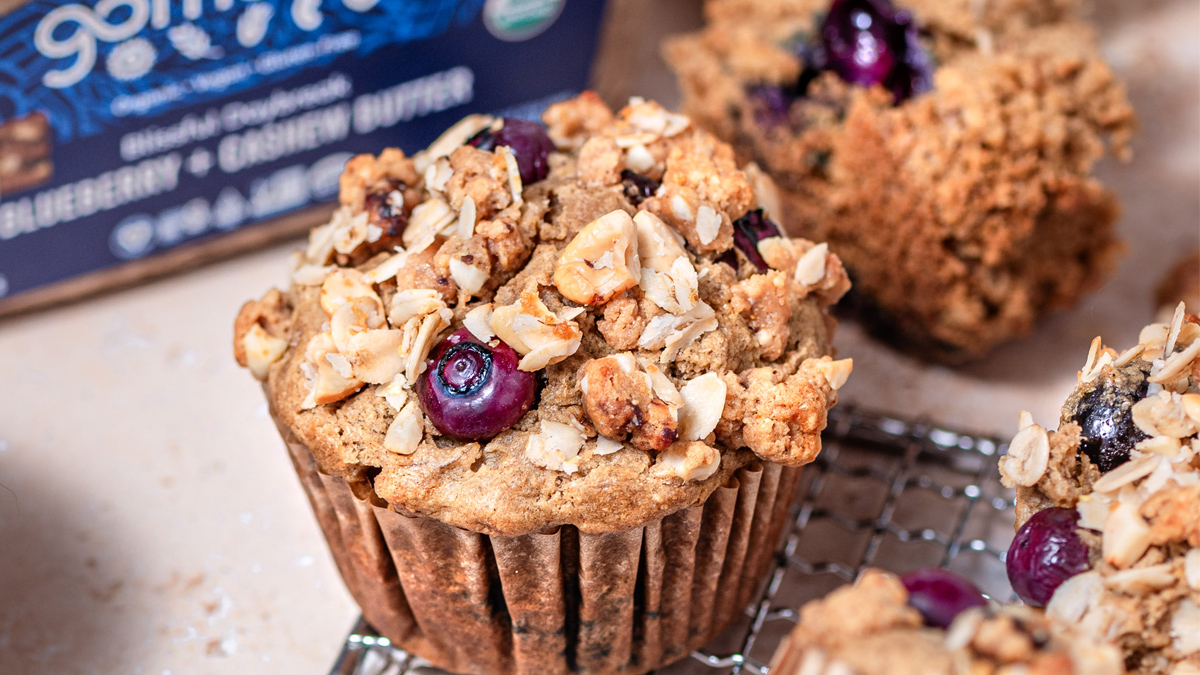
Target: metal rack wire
885 492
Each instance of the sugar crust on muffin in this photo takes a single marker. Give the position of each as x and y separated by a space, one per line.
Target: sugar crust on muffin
661 370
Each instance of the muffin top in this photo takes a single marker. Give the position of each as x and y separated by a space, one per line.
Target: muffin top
1109 504
873 628
1024 78
593 323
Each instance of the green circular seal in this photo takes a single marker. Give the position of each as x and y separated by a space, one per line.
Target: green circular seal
516 20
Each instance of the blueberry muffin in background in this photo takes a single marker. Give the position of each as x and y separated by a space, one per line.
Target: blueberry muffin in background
1108 505
931 622
943 149
548 388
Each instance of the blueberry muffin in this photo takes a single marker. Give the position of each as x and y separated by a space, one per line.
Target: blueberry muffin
931 622
548 387
1108 506
942 148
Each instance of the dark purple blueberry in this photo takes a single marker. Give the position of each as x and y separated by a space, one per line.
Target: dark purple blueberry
771 104
471 390
1105 419
729 258
751 229
528 141
1046 552
638 188
939 595
869 42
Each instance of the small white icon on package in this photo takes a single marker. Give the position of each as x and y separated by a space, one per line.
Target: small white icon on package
131 59
132 237
193 42
252 24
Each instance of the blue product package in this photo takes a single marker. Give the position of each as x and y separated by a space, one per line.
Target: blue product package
134 128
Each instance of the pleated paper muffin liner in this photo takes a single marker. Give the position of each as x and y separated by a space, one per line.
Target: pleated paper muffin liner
559 602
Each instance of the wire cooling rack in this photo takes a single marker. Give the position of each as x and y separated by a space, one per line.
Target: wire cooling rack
884 492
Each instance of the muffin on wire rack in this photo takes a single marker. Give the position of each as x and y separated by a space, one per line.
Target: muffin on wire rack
931 622
548 388
942 148
1108 505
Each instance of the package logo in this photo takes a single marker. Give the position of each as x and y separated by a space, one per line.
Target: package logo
516 20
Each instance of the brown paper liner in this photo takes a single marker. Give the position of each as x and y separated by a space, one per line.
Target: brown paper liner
564 602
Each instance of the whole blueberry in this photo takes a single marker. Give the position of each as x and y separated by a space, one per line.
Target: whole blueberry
750 229
637 187
869 42
471 390
1046 552
528 141
1104 415
939 595
772 104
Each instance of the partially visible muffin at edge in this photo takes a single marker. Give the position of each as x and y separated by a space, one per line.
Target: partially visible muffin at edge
665 355
872 628
1108 505
957 190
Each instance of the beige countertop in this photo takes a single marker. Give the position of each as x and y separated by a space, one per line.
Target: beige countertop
150 521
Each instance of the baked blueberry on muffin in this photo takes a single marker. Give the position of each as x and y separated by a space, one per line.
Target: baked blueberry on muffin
931 622
1108 506
943 149
548 387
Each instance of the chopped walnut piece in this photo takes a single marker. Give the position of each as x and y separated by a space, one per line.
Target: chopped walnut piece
405 432
600 262
343 285
529 327
374 355
619 400
366 173
410 302
556 447
329 380
764 300
659 246
688 460
355 316
271 313
478 322
1126 536
261 349
703 403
